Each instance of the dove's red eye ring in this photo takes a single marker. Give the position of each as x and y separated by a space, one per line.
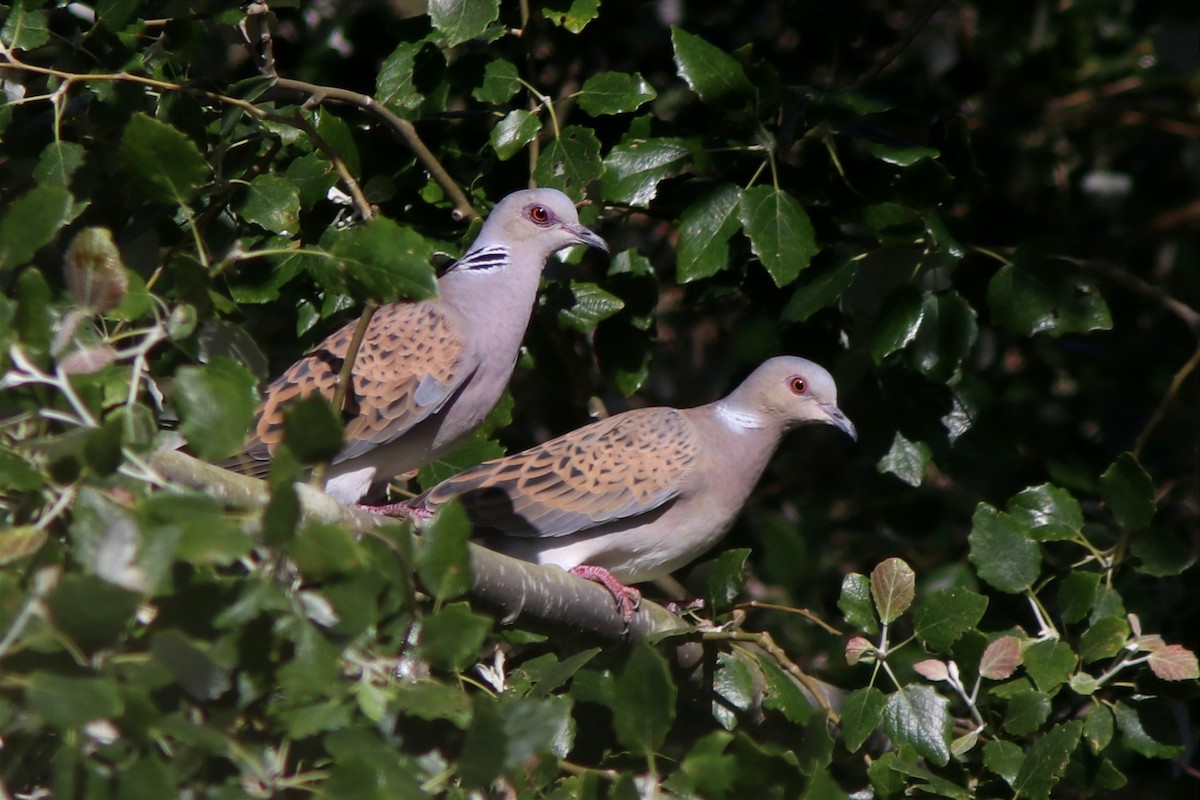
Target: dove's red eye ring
797 385
539 214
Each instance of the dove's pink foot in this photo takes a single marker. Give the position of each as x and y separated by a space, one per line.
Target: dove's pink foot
627 597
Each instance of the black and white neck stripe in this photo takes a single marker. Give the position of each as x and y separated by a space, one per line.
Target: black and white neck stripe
485 259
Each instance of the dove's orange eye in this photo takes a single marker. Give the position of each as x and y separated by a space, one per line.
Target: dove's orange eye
797 385
539 215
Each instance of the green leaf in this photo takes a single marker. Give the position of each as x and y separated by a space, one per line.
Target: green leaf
1045 297
1076 595
918 716
934 784
500 82
475 450
906 460
1046 761
1048 512
1104 639
163 163
894 225
821 291
92 612
506 734
726 577
443 559
781 692
861 713
1163 553
312 175
462 20
886 781
614 93
570 162
1002 553
644 702
32 221
706 767
893 586
816 750
273 203
897 324
58 162
1003 758
395 87
634 168
387 262
711 72
337 134
898 154
1027 711
312 430
855 603
780 232
26 27
1098 727
515 130
592 305
1049 663
705 228
574 15
193 663
734 689
451 637
545 674
147 778
1128 492
945 337
1148 728
944 616
216 404
67 702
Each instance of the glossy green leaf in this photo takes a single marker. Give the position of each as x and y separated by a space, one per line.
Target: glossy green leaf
1128 492
1048 512
780 232
443 559
570 162
312 175
1046 761
1003 758
614 93
726 577
500 82
855 603
386 261
644 702
1148 728
216 403
451 637
1003 554
515 130
32 220
1049 663
705 228
920 717
782 694
1045 297
932 783
164 164
944 616
946 335
898 323
634 168
861 713
462 20
273 203
734 690
1104 639
395 86
1076 595
906 460
894 225
591 305
711 72
574 15
821 291
26 27
900 155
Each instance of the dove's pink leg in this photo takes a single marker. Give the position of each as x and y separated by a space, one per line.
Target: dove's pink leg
400 510
627 597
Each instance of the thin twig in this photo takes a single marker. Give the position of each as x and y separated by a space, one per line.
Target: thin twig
803 612
764 640
1127 280
1161 411
915 26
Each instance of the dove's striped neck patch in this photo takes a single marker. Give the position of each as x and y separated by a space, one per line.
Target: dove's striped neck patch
485 259
737 418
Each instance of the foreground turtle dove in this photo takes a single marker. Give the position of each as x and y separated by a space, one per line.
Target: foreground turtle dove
637 495
428 373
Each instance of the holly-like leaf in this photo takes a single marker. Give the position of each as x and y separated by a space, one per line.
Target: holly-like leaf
780 232
705 228
893 586
919 716
163 163
726 576
1046 297
855 603
711 72
944 616
906 460
634 168
462 20
1002 553
1128 492
614 93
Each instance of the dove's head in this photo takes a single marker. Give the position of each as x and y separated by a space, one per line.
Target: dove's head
543 220
788 391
